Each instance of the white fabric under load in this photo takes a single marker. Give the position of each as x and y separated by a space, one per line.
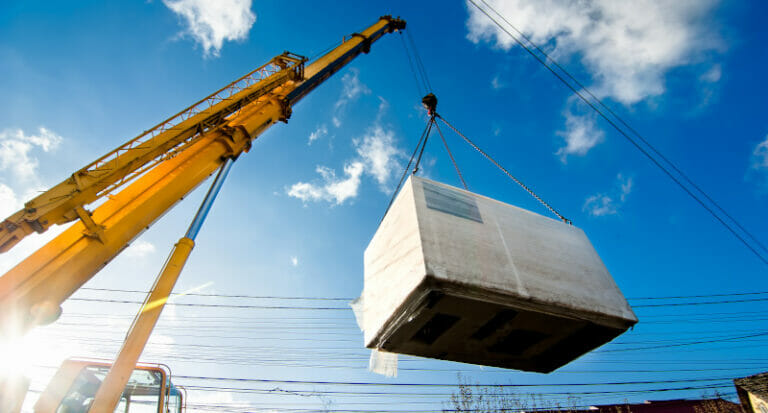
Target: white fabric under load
357 308
380 362
383 363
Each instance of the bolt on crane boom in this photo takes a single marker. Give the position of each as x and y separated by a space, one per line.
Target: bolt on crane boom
152 173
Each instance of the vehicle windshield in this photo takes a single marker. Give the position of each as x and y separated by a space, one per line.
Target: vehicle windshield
142 394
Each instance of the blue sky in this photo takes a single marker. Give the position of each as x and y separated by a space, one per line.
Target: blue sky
299 209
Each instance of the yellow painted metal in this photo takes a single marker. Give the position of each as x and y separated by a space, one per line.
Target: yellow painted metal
110 390
65 201
31 293
39 284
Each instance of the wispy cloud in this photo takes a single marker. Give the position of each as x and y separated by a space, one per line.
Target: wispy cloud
760 155
352 89
712 75
602 204
581 134
331 188
318 133
709 84
379 154
759 159
376 156
497 83
210 23
16 147
19 160
9 202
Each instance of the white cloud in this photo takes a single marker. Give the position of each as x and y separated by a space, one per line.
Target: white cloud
496 83
352 89
9 202
318 133
581 134
708 85
333 189
139 249
712 75
295 261
379 153
760 156
16 148
627 46
210 23
599 205
376 156
608 204
625 186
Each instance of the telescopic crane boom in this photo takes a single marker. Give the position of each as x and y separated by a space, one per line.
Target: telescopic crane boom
152 172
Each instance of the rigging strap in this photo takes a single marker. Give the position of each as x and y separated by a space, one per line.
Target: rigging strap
407 167
455 165
522 185
424 145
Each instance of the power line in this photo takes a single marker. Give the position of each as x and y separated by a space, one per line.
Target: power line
688 343
630 128
267 297
704 387
267 307
277 307
748 300
347 299
442 385
700 296
629 138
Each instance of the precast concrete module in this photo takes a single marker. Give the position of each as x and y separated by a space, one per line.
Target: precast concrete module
458 276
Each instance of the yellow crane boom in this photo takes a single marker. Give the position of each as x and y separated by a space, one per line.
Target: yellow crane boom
154 171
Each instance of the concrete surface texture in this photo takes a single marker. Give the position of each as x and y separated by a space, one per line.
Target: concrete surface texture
455 275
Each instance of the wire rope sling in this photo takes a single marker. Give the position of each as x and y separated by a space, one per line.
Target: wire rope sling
453 275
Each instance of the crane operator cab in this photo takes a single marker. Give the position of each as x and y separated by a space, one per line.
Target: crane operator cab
73 388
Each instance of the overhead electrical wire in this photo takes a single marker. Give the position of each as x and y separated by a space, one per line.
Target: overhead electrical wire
443 385
279 307
192 294
629 127
267 307
347 299
625 134
493 385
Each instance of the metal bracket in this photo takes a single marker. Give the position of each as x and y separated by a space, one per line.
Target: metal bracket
92 229
366 42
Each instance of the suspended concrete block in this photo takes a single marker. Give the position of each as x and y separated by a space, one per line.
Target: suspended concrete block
457 276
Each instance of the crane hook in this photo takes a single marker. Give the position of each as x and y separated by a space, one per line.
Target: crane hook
430 103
